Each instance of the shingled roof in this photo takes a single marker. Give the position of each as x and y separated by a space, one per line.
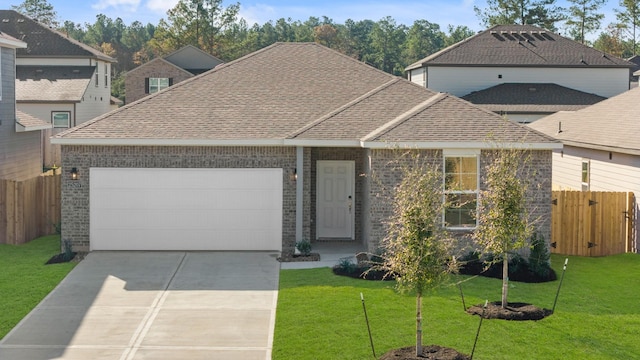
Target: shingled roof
294 94
52 83
43 41
520 45
610 125
531 98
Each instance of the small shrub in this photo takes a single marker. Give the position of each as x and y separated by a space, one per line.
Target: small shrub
304 246
539 256
345 265
68 253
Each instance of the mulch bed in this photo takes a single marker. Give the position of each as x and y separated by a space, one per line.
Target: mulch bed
432 352
61 258
289 257
521 273
360 272
513 311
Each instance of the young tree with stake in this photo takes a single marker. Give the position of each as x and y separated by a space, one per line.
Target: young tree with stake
417 250
503 220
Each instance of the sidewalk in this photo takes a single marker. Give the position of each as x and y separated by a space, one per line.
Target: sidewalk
330 254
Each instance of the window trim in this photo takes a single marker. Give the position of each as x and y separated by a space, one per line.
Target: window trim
585 185
106 76
475 153
148 84
54 113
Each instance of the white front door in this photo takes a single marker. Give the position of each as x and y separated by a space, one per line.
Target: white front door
335 199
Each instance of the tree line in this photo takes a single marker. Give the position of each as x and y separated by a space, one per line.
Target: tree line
385 44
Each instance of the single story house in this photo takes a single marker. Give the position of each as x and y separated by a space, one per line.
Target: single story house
601 148
291 142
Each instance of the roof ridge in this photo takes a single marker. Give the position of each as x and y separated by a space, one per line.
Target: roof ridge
441 52
342 108
404 116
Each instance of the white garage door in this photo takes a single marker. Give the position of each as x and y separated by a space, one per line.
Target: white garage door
185 209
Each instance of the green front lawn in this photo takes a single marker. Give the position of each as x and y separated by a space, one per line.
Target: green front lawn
320 315
25 280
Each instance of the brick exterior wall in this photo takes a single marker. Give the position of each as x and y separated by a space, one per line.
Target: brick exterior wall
134 82
75 194
384 174
376 170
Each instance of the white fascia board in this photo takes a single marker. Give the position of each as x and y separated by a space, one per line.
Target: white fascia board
12 43
322 143
22 128
457 145
167 142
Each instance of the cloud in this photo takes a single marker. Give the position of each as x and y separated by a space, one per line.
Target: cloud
160 6
258 13
121 5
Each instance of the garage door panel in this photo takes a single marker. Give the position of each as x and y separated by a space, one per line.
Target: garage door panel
186 209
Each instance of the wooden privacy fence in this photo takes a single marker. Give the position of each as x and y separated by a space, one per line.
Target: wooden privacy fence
29 208
591 223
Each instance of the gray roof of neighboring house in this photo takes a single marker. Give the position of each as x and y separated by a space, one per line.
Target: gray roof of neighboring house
52 83
610 125
520 45
30 122
9 41
295 92
43 41
531 98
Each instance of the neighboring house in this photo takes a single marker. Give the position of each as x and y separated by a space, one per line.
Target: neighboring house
160 73
295 141
59 80
512 58
20 152
601 147
635 70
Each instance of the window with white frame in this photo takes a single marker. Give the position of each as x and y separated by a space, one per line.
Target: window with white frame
61 119
586 174
106 75
97 75
461 190
157 84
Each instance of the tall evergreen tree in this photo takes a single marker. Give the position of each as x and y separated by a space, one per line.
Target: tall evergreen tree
39 10
629 18
584 17
543 13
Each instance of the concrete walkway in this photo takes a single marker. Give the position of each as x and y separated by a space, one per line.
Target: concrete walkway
331 253
155 305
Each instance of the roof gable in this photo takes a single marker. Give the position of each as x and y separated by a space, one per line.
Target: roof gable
190 57
42 40
287 93
612 124
520 45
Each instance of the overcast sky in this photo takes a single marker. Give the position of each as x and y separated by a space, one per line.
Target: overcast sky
442 12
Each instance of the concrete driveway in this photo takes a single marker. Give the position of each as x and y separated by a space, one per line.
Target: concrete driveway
155 305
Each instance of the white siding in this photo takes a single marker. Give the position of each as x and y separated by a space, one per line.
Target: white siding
418 76
620 173
96 100
50 153
461 81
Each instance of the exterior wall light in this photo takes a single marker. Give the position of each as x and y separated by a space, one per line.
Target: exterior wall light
74 173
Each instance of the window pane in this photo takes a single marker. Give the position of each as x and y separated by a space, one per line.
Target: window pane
163 83
60 120
452 173
585 171
469 182
461 211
